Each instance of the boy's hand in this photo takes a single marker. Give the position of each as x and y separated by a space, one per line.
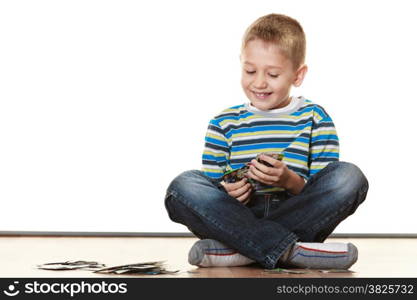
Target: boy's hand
277 175
239 190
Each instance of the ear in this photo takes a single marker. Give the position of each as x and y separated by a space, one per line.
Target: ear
299 75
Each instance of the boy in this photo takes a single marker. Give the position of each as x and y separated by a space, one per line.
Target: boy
296 203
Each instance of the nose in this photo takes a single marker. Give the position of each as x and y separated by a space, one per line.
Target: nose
260 82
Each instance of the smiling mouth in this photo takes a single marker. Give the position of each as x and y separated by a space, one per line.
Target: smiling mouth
261 95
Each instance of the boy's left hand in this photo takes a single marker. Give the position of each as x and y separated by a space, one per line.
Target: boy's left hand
277 175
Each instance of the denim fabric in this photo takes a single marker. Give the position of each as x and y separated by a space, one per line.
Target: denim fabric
264 228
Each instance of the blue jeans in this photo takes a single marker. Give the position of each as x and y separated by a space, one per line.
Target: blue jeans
269 224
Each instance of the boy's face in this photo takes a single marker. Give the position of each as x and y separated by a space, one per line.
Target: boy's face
267 75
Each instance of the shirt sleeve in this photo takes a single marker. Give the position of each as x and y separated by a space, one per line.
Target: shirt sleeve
216 152
324 142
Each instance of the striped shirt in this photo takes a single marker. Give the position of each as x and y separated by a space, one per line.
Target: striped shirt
305 134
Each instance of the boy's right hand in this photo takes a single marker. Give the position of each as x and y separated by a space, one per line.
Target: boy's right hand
239 190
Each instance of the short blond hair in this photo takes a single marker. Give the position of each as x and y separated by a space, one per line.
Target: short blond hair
281 30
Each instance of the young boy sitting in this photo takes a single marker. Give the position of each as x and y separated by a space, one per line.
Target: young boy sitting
280 213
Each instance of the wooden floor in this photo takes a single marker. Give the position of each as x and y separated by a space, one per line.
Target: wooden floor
19 257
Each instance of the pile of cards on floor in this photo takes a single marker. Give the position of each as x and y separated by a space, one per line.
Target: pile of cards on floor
144 268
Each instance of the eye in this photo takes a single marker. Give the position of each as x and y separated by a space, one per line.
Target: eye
249 72
274 75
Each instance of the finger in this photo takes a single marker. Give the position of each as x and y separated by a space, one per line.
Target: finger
272 161
225 185
253 176
233 185
245 197
240 191
238 184
262 177
261 167
246 201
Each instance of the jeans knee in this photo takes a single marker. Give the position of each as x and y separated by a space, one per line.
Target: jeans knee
193 188
183 178
349 179
188 182
171 206
178 186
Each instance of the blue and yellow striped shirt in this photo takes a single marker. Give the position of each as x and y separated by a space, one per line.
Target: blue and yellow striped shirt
305 134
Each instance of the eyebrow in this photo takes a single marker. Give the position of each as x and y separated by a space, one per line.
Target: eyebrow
269 66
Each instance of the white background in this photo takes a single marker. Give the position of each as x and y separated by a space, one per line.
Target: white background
103 103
